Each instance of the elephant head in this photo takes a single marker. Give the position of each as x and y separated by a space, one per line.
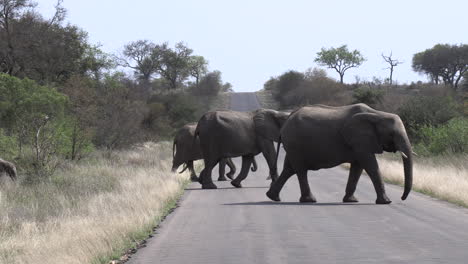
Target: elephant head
378 132
268 123
8 168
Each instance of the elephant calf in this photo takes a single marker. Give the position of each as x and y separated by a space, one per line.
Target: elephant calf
186 150
8 168
318 137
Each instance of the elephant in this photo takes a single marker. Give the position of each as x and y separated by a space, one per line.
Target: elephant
318 136
225 134
8 168
185 151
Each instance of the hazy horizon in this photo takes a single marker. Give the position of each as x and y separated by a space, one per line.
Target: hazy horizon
251 41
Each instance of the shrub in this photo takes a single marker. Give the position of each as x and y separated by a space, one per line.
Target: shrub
451 137
368 96
312 87
427 111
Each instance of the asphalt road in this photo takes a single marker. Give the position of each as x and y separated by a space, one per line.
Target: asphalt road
231 225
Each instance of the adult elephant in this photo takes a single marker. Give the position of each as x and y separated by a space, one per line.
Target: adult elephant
186 149
317 137
225 134
8 168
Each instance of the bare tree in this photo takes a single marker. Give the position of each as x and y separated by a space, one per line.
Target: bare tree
393 63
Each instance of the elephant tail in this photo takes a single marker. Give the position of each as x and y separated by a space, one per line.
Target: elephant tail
254 165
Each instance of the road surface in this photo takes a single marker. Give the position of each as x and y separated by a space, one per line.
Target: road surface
231 225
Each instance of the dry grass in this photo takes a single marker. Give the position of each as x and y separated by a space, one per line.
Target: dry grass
90 211
443 177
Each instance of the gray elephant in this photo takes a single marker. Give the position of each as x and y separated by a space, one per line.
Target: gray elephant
317 137
8 168
226 134
186 149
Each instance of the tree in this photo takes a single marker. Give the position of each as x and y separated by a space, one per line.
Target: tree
443 62
174 63
210 84
10 10
340 59
43 49
197 67
143 54
33 114
120 116
393 63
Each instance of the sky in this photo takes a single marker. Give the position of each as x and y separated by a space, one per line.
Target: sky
251 41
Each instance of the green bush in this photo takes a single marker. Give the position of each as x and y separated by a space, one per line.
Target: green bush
8 146
451 137
368 96
427 111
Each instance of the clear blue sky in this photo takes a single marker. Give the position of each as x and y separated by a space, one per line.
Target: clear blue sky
249 41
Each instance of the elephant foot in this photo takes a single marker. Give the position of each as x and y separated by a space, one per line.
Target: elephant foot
230 175
384 200
273 196
236 184
194 179
308 199
350 199
222 179
209 186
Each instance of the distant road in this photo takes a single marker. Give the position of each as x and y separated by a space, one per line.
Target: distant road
239 226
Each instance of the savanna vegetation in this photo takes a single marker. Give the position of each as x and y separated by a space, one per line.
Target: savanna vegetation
71 116
435 113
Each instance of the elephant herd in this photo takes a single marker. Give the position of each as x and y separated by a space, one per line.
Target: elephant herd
314 137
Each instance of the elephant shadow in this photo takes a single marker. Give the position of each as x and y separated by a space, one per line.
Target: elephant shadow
228 188
298 203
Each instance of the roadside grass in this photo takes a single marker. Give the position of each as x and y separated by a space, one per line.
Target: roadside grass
90 211
443 177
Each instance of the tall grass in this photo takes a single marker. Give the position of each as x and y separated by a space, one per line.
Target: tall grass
90 210
443 177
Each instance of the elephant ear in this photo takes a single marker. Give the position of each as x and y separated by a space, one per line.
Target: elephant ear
268 123
360 133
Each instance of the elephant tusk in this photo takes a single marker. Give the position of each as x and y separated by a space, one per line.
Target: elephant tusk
403 154
414 153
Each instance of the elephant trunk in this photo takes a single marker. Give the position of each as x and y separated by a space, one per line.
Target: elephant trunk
403 145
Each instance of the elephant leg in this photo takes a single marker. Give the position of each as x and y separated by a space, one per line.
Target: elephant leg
269 152
232 168
246 162
372 168
276 186
193 175
354 174
222 167
205 176
306 194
